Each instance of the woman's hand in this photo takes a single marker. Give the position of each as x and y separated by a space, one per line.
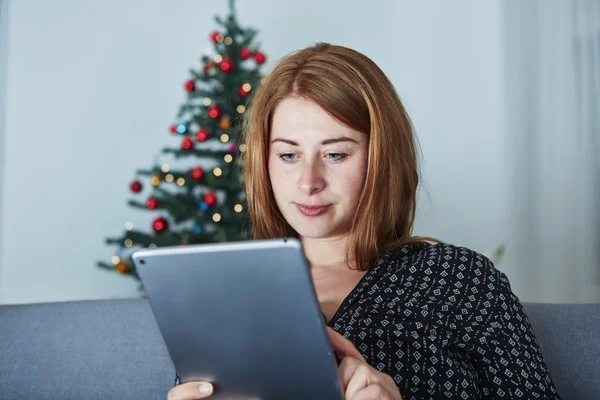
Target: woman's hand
191 391
359 380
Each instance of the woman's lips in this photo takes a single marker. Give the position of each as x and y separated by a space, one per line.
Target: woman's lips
312 211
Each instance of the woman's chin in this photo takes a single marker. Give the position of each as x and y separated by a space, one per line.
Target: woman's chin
313 232
316 231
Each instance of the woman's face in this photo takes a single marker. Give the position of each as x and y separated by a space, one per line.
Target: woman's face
317 168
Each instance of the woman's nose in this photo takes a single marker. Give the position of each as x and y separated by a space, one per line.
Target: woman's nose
310 180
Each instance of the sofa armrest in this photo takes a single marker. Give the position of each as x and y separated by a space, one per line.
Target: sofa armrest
569 337
92 349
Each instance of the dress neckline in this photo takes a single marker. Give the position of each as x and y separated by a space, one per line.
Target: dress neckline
352 295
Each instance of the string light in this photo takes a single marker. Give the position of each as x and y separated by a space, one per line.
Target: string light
155 180
116 260
169 178
243 147
240 109
206 101
247 87
228 158
225 122
228 40
165 168
217 171
180 181
224 138
122 267
238 208
218 58
128 243
129 226
216 217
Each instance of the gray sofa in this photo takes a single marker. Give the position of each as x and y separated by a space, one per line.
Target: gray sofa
113 350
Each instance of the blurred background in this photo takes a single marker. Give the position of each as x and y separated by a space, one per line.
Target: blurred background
504 96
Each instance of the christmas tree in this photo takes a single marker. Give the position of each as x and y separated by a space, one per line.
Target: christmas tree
203 202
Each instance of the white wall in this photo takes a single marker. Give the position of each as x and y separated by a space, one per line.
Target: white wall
3 58
93 86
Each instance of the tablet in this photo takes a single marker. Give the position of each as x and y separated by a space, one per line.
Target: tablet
243 315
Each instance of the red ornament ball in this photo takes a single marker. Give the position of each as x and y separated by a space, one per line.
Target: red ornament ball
243 92
214 112
173 129
187 144
260 57
189 86
245 53
210 199
136 186
226 65
202 134
216 37
151 203
160 224
197 173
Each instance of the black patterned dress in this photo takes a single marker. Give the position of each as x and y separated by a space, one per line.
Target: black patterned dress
444 324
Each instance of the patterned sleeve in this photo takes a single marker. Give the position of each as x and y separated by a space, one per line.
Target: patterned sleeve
444 323
495 334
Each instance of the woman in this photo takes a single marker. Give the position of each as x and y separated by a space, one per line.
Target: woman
331 159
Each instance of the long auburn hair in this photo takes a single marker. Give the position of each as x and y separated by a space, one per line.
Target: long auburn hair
353 90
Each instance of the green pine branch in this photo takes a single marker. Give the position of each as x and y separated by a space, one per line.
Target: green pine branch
197 152
190 220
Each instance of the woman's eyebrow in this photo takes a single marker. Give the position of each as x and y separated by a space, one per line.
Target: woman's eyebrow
324 142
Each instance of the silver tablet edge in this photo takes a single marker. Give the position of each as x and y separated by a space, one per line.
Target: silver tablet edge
214 247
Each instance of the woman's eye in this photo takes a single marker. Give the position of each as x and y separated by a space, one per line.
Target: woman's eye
336 157
292 157
287 157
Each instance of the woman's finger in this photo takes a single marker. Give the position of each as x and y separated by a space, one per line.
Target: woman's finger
347 369
358 377
343 346
372 392
191 391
